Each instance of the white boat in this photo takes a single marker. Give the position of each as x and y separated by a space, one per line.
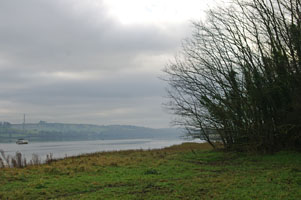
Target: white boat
22 141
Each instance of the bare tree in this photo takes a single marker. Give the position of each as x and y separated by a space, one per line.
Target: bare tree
237 79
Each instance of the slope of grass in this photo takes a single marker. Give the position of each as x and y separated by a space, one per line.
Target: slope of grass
187 171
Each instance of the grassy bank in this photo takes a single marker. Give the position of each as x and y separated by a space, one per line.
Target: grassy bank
188 171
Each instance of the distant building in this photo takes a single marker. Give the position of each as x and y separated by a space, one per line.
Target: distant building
42 122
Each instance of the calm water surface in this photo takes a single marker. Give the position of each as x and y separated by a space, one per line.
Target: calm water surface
72 148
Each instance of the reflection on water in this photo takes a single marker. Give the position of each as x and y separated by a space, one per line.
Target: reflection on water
72 148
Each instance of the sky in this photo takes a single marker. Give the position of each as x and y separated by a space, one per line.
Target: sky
91 61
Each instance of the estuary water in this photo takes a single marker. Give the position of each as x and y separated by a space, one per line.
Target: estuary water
73 148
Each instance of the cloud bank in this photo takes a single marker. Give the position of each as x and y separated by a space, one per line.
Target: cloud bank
74 61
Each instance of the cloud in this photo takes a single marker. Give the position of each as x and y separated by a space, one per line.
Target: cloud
56 54
38 34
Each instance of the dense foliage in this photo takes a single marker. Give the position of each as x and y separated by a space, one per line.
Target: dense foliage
238 78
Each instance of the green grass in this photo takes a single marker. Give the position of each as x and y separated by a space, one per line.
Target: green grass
188 171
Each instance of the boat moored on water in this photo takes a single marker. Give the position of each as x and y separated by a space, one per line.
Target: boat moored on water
22 141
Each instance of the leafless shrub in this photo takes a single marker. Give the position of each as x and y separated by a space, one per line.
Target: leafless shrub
5 159
49 158
236 80
13 162
35 160
18 158
1 163
24 162
17 161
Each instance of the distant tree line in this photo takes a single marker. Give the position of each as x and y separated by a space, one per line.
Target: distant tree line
44 131
5 125
237 80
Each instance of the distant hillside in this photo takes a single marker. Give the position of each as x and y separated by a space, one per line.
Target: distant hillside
64 132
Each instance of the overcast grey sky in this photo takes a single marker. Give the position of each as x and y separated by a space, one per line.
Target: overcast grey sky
89 61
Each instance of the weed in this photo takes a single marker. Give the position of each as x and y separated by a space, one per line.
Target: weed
35 160
151 171
49 158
